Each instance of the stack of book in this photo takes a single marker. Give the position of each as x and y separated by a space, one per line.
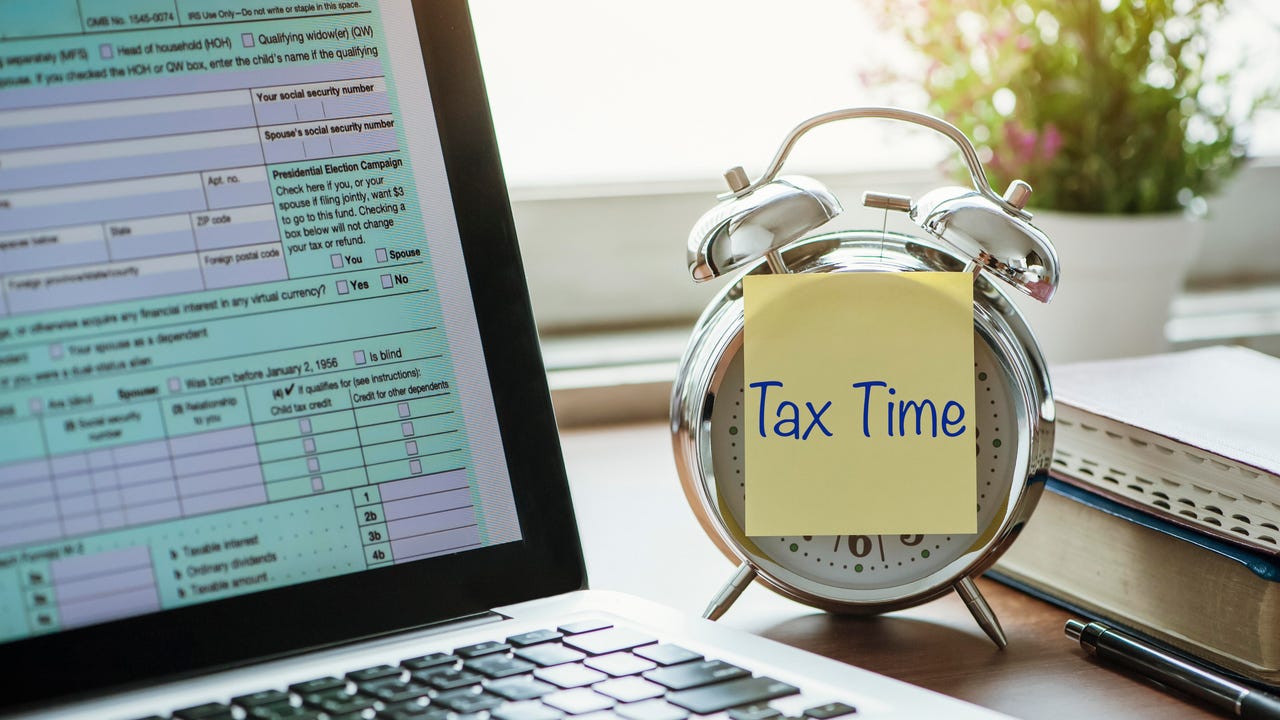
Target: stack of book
1162 514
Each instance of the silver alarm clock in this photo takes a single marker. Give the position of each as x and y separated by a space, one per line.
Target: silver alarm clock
759 227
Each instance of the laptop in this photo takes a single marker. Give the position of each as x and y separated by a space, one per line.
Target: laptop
277 435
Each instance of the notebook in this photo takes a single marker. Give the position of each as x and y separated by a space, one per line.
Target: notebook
277 435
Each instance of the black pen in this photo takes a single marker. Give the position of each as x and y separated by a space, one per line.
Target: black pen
1222 693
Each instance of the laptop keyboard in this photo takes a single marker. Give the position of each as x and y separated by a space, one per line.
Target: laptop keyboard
580 671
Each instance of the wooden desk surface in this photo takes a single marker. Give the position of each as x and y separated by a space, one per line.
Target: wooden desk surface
640 537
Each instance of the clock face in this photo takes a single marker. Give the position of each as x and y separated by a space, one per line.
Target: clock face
877 562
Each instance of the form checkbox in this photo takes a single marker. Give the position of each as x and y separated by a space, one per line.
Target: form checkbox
403 409
175 384
380 254
336 260
246 39
106 52
406 428
411 447
317 484
309 445
343 287
359 357
386 282
55 351
36 406
415 467
304 425
313 464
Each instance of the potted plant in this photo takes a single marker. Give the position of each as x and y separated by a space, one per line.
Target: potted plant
1109 110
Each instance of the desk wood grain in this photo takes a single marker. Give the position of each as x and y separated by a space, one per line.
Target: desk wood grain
640 537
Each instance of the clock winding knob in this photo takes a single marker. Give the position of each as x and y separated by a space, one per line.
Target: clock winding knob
1017 194
737 179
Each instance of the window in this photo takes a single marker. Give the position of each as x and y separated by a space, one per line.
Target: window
616 120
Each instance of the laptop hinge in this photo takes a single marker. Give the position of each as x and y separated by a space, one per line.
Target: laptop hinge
465 621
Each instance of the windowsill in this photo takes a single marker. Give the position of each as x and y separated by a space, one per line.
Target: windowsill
624 376
609 377
622 245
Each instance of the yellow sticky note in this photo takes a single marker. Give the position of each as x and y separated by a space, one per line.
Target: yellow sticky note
859 412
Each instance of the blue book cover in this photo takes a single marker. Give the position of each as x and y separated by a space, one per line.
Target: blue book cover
1263 566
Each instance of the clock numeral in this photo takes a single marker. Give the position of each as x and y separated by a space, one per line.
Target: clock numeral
860 545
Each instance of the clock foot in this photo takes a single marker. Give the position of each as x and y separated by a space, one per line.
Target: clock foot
730 592
981 611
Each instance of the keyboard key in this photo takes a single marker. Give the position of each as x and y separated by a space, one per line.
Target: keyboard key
550 654
317 685
619 664
498 666
260 698
569 676
423 713
578 701
448 678
355 715
282 711
629 689
603 642
207 711
520 688
525 711
373 673
395 690
415 704
583 626
722 696
487 647
754 712
466 701
668 654
830 710
413 711
425 662
533 638
691 675
651 710
337 701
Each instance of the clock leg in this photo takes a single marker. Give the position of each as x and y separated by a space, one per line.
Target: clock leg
981 611
730 592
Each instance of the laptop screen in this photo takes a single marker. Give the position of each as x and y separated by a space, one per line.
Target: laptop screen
239 348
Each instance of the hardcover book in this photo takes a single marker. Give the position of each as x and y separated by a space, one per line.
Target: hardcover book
1163 515
1214 600
1193 435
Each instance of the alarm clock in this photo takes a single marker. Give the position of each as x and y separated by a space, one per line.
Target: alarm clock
759 227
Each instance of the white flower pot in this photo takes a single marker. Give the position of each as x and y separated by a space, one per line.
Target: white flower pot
1119 274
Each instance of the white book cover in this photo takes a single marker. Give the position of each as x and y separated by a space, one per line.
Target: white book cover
1225 401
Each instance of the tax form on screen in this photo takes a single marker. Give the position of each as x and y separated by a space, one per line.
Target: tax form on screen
237 344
